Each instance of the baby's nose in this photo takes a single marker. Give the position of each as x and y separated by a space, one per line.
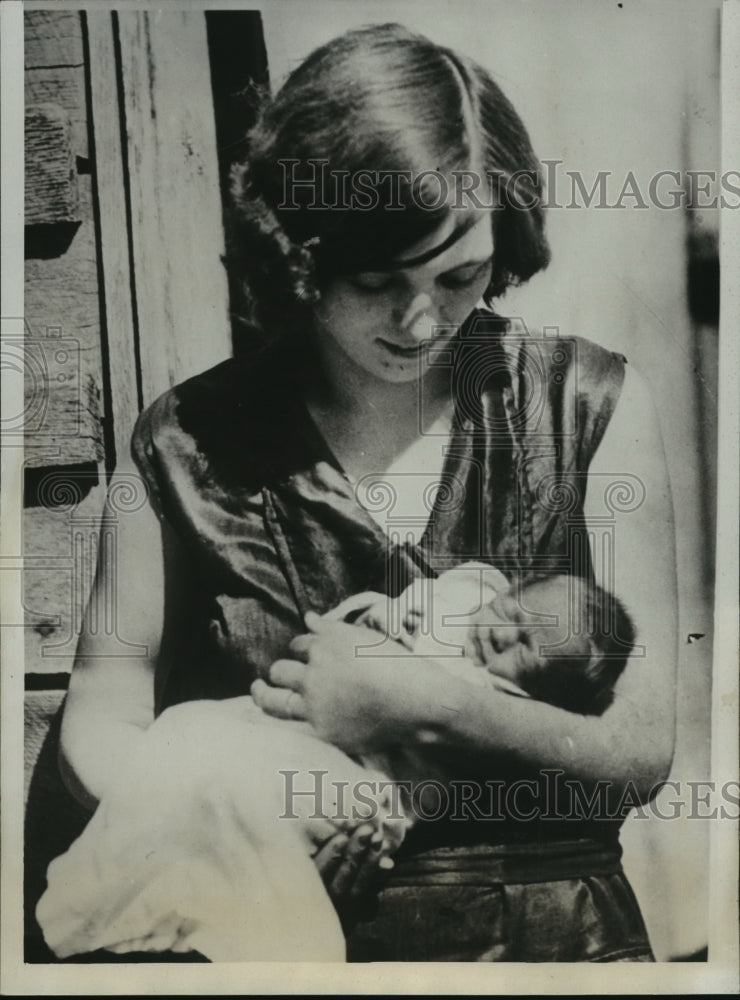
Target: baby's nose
418 320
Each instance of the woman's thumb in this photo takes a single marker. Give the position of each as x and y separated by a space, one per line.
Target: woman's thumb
315 623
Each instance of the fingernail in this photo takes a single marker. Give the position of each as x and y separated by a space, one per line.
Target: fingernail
386 863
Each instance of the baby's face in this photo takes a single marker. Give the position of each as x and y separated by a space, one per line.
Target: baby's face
498 639
516 637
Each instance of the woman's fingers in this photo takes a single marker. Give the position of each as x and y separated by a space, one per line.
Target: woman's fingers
287 674
301 645
282 703
316 623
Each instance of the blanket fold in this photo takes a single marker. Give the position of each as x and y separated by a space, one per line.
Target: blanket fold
188 850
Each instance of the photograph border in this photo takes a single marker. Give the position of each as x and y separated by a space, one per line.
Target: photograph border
718 975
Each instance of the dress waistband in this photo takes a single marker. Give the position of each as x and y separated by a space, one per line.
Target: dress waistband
501 864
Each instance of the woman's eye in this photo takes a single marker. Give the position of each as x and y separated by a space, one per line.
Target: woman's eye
371 281
464 277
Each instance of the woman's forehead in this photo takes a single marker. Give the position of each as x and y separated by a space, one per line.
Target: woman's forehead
454 240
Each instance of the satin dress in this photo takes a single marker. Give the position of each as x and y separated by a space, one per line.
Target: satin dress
262 525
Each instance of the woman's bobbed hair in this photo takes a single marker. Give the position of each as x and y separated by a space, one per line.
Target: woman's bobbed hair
343 171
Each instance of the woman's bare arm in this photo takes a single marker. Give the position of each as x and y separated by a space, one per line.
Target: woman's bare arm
111 692
110 702
384 702
634 738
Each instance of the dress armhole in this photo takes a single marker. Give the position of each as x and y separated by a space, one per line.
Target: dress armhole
603 378
144 455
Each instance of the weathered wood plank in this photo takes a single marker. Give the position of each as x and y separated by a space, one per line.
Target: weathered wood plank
52 38
66 421
113 224
50 171
63 367
59 545
65 86
181 288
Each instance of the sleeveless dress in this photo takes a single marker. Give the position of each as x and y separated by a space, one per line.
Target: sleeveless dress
263 525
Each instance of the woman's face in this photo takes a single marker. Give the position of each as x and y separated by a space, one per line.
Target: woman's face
391 323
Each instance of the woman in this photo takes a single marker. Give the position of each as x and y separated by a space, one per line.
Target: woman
365 244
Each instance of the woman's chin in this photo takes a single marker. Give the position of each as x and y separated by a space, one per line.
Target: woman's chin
399 373
399 370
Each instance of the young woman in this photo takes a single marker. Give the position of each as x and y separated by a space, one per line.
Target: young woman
390 427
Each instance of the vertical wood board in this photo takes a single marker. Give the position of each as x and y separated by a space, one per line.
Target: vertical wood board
114 232
177 229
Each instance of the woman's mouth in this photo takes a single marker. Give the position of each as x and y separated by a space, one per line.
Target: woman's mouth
403 352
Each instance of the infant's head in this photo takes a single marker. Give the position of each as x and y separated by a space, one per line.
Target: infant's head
562 639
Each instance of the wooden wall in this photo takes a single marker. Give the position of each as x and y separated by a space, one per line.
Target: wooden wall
64 440
125 290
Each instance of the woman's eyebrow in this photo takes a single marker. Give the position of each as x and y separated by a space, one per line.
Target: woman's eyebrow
403 267
469 263
455 236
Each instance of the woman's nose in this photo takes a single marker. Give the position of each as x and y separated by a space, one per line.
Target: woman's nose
418 321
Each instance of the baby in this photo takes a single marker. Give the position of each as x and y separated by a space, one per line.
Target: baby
556 638
552 638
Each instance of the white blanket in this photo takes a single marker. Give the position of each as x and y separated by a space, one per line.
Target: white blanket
188 851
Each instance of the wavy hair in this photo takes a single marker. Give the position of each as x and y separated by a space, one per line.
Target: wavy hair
376 107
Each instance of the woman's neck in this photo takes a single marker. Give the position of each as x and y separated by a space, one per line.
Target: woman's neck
354 395
368 422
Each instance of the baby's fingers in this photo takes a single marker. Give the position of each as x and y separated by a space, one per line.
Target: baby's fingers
355 857
328 858
375 862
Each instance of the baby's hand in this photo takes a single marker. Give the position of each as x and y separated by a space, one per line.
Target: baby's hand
376 611
351 862
353 607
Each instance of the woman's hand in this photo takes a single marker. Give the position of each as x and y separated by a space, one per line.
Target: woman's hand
349 699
